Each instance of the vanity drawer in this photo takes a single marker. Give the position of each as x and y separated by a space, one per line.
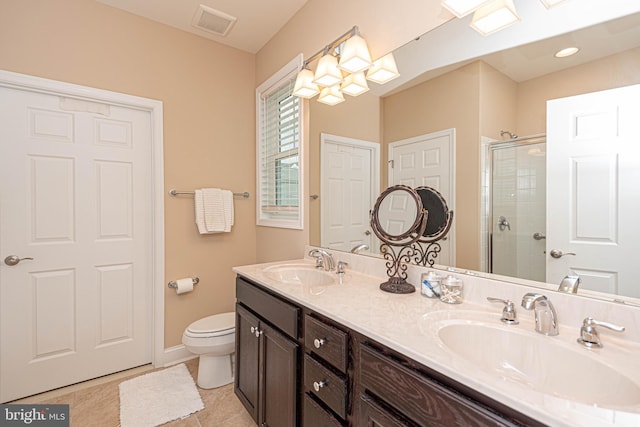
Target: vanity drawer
316 416
278 312
329 343
417 397
333 389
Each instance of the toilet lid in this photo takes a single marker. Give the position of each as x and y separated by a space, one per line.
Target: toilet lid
219 323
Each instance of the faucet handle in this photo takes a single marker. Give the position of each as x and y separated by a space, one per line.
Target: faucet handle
509 315
589 335
340 267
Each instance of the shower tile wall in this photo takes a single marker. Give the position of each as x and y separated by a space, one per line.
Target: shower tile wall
519 183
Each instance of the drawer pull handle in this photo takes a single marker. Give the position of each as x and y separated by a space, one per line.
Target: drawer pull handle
318 342
318 385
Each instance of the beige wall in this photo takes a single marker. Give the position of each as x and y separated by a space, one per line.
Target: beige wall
449 101
618 70
384 24
207 92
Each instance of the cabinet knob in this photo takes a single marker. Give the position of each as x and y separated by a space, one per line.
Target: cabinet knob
318 342
318 385
255 331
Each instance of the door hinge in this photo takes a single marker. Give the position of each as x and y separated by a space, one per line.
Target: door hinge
391 164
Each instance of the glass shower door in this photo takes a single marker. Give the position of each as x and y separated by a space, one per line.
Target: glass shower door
518 209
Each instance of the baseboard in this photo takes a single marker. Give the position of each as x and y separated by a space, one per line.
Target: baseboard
176 354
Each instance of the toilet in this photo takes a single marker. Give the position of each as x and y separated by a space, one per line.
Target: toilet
213 338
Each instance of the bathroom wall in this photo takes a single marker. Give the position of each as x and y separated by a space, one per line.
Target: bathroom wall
207 90
385 25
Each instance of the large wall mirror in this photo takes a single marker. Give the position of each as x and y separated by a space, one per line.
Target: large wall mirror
477 98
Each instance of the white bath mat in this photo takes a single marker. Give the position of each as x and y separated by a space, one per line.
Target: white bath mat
158 397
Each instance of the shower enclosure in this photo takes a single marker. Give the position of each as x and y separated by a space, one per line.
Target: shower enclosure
515 195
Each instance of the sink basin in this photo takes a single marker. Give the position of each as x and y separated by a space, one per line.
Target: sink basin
301 274
546 364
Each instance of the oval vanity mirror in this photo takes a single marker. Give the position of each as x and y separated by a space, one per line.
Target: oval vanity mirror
397 216
399 220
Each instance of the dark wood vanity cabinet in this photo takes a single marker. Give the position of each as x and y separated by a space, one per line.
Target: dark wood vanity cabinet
267 357
341 378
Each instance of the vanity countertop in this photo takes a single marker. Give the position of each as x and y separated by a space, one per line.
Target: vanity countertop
401 323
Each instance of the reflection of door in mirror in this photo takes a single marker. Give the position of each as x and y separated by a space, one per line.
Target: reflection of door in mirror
428 160
350 182
593 152
517 209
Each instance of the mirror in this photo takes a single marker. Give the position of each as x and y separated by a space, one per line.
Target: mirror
399 220
618 64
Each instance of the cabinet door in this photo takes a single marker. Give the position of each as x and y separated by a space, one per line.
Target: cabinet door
372 415
246 376
279 376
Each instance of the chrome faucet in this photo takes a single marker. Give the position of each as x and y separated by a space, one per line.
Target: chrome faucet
545 314
323 258
589 335
569 284
360 247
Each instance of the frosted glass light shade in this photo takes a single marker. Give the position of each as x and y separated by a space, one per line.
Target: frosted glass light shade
355 56
355 84
550 3
462 8
331 95
383 70
494 16
327 72
304 86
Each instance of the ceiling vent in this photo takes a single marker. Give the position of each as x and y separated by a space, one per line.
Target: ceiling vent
213 21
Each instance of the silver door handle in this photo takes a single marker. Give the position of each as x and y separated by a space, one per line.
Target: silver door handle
557 253
539 236
14 259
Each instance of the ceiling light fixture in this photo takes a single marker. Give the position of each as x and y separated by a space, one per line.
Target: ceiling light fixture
567 51
550 3
494 17
341 69
462 8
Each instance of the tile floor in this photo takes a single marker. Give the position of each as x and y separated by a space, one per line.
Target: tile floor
99 405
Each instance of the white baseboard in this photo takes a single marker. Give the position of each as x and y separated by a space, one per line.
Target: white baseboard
176 354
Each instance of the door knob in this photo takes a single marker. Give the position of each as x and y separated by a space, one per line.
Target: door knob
14 260
539 236
367 233
557 253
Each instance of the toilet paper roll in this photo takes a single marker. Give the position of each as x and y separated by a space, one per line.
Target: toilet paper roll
184 285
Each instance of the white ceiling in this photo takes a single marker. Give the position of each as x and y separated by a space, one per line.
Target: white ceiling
258 20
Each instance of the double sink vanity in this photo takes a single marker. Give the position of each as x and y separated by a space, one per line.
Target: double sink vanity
317 348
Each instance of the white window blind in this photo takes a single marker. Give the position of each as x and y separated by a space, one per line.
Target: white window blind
279 153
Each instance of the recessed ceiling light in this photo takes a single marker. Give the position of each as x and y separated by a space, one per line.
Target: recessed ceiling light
566 52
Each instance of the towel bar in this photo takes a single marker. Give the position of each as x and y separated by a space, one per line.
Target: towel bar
173 285
177 192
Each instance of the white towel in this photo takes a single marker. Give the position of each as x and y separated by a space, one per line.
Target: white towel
199 210
227 201
214 216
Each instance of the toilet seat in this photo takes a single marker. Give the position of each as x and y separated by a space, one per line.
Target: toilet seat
212 326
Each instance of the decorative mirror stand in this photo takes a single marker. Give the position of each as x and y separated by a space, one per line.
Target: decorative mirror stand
392 205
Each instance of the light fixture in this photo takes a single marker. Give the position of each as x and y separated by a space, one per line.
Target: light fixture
341 69
494 16
462 8
567 51
354 84
355 56
550 3
327 72
304 86
383 70
331 95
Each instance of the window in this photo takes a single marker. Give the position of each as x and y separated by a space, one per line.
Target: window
279 116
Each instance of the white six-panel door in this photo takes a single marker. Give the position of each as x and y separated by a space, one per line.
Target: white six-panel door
75 187
593 203
428 160
350 183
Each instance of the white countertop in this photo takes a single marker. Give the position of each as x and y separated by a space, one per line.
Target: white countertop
401 322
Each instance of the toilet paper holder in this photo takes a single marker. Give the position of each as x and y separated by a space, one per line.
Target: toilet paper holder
173 285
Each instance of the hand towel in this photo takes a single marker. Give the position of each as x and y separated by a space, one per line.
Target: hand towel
199 211
214 212
227 199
